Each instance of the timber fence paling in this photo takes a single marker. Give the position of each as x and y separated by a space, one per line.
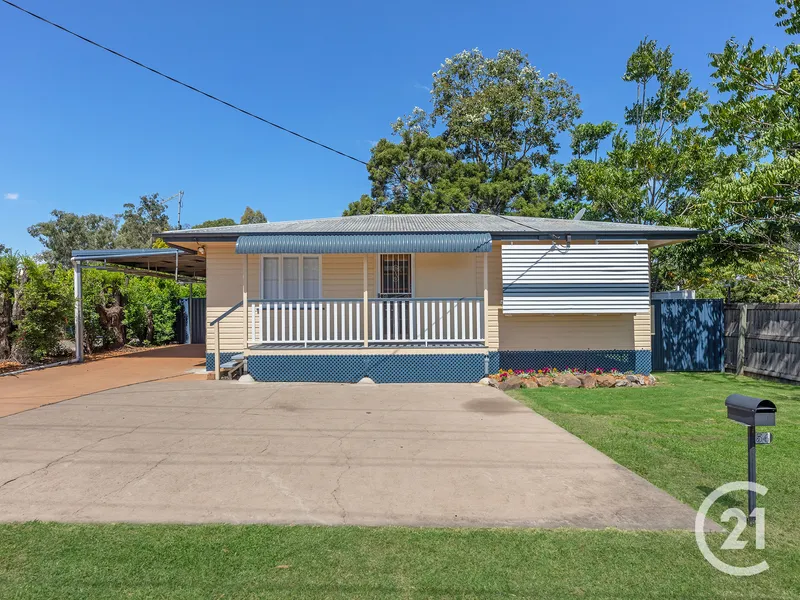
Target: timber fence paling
770 340
731 333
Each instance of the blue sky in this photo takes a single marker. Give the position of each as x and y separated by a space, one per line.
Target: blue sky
83 131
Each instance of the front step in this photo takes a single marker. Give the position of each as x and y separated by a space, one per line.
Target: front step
231 366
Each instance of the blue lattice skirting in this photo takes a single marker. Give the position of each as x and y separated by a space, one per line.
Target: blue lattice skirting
639 361
223 358
382 368
430 368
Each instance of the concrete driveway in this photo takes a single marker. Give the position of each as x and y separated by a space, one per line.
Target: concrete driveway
206 451
36 388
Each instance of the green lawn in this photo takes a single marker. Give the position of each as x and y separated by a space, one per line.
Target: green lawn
676 435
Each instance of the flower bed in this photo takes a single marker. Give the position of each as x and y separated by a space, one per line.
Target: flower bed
575 378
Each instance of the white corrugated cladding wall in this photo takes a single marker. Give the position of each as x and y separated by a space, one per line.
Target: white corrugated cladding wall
581 279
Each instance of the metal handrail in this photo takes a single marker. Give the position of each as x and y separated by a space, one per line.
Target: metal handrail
226 313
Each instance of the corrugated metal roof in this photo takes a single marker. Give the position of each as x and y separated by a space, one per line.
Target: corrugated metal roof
436 223
365 243
153 259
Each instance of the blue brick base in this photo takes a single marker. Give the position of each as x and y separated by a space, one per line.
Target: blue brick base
639 361
382 368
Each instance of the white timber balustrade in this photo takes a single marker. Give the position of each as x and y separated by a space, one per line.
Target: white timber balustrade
304 322
391 321
426 320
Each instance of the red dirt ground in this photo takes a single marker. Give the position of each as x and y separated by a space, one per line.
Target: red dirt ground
37 388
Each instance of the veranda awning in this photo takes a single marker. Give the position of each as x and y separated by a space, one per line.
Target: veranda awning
363 243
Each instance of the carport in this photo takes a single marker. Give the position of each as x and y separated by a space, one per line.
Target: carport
185 266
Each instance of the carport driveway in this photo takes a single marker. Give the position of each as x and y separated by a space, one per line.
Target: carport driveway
205 451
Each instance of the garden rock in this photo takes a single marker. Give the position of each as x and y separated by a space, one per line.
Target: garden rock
651 380
486 381
510 383
529 383
544 381
621 383
605 381
588 380
366 381
567 380
632 379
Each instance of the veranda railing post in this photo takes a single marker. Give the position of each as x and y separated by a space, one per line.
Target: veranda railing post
366 305
216 351
245 314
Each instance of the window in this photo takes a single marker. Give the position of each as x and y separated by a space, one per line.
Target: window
290 277
395 276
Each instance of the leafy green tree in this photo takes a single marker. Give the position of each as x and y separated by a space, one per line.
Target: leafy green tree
45 309
150 309
9 265
500 119
655 173
411 176
223 222
141 223
250 216
67 232
758 205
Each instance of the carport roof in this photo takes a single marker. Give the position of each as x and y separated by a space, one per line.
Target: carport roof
161 261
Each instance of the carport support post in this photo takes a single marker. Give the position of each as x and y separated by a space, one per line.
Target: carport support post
78 290
189 311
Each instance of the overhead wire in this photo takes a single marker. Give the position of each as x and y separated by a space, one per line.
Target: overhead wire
184 84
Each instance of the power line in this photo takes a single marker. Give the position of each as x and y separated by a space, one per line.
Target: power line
186 85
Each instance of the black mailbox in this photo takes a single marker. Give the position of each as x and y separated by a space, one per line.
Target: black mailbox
750 411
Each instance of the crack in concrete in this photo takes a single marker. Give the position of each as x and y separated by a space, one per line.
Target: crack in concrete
336 489
74 452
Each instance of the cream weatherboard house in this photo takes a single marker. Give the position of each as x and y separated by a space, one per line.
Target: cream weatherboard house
426 298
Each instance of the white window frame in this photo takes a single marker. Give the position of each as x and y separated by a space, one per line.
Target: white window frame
301 287
378 272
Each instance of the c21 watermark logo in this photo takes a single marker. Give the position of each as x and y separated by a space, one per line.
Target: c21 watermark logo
732 542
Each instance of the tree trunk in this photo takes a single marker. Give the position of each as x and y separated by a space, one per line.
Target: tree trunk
111 320
5 325
18 352
150 326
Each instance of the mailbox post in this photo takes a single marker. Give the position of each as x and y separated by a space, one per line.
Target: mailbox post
751 412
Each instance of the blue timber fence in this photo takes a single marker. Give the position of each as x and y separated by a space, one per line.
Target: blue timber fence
198 321
688 335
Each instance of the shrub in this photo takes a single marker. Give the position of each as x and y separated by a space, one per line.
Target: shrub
45 309
150 309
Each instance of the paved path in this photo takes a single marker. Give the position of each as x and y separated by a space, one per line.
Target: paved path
413 454
45 386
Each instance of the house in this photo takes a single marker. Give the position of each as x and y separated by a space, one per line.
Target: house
427 298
